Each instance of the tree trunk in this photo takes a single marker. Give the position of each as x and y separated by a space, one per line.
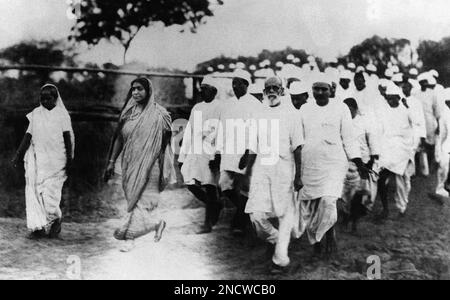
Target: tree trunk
126 46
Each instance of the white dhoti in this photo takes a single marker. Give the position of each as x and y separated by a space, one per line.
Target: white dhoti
271 190
280 238
442 174
272 196
317 217
353 184
329 144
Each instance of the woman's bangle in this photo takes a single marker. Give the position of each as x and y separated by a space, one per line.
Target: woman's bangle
111 160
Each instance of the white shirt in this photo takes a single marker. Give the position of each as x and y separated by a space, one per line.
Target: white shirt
443 144
367 137
398 146
233 131
431 111
199 135
342 94
277 136
329 144
199 143
418 118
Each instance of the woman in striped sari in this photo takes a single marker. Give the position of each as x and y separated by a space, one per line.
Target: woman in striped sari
143 138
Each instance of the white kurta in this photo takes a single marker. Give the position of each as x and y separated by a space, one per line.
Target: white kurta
45 163
367 137
432 113
418 118
342 94
365 100
442 152
278 135
370 105
398 139
329 144
444 134
199 143
233 131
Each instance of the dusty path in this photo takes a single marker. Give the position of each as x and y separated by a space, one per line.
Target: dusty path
416 247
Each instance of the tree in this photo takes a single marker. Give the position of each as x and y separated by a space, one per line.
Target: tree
272 56
436 55
122 19
46 53
377 50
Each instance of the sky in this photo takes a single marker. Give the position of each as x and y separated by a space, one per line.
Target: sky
326 28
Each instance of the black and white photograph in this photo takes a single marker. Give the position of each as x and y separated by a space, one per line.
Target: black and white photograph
197 141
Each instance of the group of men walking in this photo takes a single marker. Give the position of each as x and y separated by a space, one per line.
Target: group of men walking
310 143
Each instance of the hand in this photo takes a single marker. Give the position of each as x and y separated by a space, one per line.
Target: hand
214 165
364 172
298 184
109 171
372 160
362 168
243 162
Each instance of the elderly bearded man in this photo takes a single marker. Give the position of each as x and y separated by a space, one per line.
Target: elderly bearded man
274 160
329 144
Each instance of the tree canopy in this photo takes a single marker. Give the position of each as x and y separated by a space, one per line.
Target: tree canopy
46 53
379 51
122 19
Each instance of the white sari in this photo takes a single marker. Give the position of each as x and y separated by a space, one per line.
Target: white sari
45 162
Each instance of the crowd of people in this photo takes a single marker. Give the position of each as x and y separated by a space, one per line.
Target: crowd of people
288 148
342 138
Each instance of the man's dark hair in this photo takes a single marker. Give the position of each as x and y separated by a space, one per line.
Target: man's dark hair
351 102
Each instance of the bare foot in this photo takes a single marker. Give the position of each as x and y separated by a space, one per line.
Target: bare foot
437 198
330 243
279 270
55 229
317 250
127 246
204 229
35 235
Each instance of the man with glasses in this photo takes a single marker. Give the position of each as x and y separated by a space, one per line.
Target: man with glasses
274 160
329 144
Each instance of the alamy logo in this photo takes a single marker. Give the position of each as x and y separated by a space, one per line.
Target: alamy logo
232 136
374 270
73 271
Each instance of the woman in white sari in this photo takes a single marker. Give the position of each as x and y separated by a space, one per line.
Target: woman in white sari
47 150
143 138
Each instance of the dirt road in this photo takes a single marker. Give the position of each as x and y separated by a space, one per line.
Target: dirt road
416 247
